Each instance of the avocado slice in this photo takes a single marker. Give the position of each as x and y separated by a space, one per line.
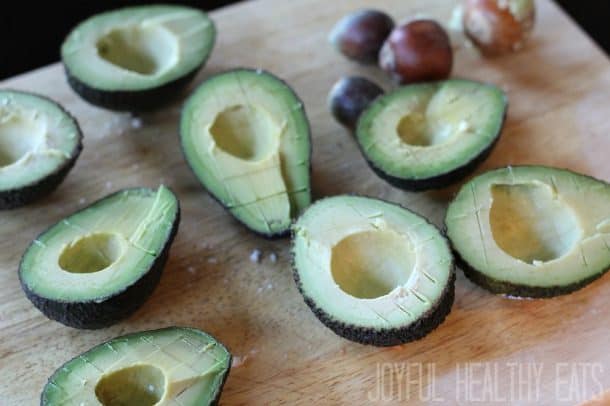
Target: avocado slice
531 231
39 144
372 271
429 135
246 136
171 366
137 58
100 264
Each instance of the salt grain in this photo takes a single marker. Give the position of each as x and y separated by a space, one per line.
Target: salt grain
273 257
190 270
136 123
255 256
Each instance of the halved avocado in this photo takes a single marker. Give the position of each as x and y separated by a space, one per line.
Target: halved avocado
137 58
39 144
100 264
372 271
531 231
429 135
246 136
172 366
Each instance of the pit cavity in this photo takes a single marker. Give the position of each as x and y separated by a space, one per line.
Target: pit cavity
531 223
245 131
438 116
92 253
145 50
370 264
142 385
18 136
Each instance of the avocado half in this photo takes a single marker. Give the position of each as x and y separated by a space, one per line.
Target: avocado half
531 231
430 135
246 137
372 271
137 58
100 264
171 366
39 144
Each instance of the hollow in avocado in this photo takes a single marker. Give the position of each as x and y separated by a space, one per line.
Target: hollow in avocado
430 135
39 144
170 366
531 231
372 271
245 135
100 264
137 58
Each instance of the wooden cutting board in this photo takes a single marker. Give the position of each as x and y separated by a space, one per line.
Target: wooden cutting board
559 91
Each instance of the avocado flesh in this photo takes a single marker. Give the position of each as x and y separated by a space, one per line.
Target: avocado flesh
430 135
168 367
112 57
110 253
245 135
531 230
372 271
38 141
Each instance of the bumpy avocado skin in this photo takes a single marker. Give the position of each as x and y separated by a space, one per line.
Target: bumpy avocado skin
443 180
94 315
14 198
285 233
384 337
134 101
45 402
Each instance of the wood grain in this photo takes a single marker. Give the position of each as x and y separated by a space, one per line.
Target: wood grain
559 91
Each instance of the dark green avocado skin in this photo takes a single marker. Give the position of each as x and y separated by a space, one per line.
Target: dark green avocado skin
389 336
269 236
95 315
14 198
515 290
133 101
44 402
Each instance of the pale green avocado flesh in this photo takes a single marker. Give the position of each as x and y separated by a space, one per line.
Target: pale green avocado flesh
138 48
426 130
168 367
532 227
368 264
100 251
37 137
245 135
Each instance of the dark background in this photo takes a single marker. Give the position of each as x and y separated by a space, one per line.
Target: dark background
32 32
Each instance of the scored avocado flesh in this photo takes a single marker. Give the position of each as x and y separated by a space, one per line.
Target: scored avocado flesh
246 137
532 230
168 367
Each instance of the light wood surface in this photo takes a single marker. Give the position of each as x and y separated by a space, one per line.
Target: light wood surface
559 91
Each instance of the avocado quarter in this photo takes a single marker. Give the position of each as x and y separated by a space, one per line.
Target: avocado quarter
246 137
531 231
175 366
372 271
137 58
100 264
429 135
39 144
